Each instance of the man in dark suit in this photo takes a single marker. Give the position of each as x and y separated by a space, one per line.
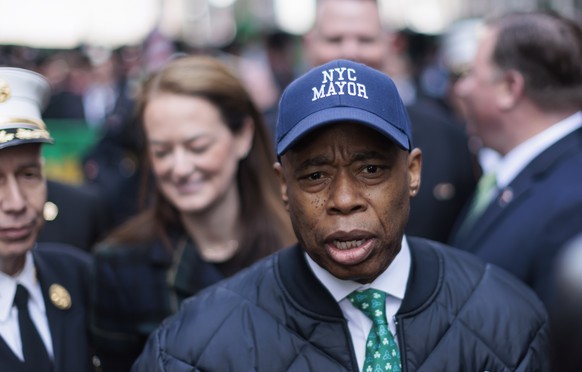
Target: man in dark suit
522 96
43 287
352 29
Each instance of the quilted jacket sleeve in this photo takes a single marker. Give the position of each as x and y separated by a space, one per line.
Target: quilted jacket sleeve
151 358
155 359
536 358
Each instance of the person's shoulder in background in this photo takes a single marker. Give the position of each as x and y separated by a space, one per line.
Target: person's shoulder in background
74 215
449 171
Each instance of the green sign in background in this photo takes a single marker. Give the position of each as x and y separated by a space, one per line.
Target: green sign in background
63 160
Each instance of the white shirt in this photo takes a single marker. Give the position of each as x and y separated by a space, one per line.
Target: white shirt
518 158
9 329
98 102
393 281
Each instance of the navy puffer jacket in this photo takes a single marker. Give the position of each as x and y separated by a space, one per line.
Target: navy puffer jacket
458 314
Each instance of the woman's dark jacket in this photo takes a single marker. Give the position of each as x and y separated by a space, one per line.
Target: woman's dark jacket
135 288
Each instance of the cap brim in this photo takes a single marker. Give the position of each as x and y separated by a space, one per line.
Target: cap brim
342 114
17 142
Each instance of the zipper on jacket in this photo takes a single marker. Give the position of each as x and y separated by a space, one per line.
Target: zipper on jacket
400 337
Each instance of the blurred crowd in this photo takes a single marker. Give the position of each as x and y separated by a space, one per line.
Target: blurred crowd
96 87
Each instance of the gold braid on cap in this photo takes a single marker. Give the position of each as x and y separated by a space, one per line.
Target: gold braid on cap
5 92
28 129
39 124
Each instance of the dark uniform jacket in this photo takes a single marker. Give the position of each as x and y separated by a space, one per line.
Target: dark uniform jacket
458 314
81 220
69 267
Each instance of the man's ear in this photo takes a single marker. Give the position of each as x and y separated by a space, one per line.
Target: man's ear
414 169
511 89
282 183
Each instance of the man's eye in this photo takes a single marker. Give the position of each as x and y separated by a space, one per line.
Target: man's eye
333 40
314 176
371 168
367 40
30 175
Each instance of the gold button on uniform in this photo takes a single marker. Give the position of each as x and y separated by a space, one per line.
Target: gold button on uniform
60 297
50 211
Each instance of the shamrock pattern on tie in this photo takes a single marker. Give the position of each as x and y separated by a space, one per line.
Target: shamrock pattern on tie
382 353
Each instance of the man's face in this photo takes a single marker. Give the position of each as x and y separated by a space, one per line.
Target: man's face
347 29
481 94
22 198
347 190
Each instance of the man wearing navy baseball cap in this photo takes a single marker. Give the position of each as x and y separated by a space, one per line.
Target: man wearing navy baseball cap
43 286
355 294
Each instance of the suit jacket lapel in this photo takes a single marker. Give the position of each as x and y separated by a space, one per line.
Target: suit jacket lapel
516 192
8 360
56 317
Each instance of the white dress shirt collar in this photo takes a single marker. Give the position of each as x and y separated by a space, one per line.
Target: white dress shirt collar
26 277
392 281
518 158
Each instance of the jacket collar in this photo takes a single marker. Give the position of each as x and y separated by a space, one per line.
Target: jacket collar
426 276
302 285
298 280
191 273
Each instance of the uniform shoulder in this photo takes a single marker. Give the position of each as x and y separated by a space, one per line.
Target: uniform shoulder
63 252
64 192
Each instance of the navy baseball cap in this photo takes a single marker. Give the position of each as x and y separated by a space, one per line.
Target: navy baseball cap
342 91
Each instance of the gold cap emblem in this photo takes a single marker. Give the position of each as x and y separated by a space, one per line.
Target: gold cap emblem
60 297
4 91
50 211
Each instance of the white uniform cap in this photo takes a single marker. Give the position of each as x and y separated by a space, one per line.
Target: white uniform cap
23 96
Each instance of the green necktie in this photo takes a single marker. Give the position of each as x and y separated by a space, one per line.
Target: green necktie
481 200
381 350
486 184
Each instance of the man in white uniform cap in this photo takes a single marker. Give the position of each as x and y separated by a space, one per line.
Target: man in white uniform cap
43 287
